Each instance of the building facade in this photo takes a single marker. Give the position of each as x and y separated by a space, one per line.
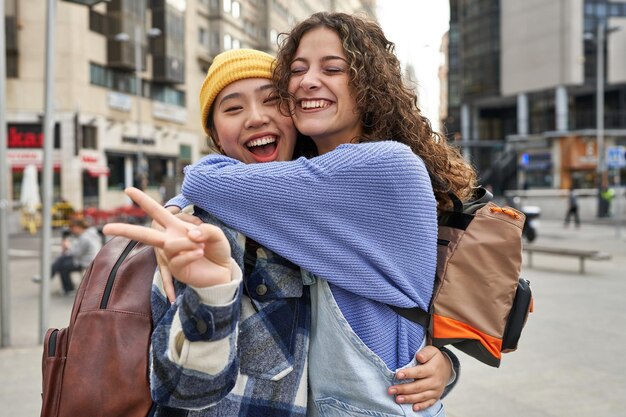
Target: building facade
104 126
522 82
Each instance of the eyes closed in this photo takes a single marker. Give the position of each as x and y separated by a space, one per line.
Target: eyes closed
236 102
330 66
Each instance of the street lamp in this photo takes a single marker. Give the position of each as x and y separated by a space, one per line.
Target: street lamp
600 35
142 166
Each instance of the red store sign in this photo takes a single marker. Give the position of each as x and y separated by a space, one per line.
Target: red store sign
29 135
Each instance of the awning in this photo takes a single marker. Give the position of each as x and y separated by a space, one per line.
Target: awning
97 170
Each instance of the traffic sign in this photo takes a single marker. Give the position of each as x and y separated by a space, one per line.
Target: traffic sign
616 156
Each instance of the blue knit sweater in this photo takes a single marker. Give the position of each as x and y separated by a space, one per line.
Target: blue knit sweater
362 216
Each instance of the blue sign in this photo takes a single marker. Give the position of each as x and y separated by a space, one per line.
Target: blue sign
524 159
616 156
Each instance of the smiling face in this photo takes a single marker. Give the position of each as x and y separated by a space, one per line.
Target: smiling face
248 125
325 108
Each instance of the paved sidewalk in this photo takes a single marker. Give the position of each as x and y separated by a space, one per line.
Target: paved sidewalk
20 365
568 363
569 360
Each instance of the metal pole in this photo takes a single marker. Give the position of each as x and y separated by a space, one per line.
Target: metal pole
600 112
5 339
141 166
48 142
618 203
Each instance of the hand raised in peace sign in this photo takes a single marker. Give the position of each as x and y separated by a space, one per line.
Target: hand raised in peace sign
197 255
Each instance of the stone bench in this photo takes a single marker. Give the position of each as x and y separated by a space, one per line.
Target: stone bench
581 254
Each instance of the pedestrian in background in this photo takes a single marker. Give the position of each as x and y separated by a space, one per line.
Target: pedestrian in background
77 252
572 208
606 197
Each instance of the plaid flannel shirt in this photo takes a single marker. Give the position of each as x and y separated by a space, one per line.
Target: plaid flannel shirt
253 349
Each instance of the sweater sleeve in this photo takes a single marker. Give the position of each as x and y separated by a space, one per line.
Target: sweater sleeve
178 201
362 216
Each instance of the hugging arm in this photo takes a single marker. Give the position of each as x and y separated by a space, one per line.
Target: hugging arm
434 377
362 210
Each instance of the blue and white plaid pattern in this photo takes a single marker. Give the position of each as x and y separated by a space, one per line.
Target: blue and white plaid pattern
266 371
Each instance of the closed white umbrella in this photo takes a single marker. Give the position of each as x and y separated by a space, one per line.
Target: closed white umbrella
30 198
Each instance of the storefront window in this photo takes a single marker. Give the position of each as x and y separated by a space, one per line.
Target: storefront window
536 169
90 190
116 171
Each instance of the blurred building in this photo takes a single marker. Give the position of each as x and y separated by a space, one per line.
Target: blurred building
100 125
522 88
443 80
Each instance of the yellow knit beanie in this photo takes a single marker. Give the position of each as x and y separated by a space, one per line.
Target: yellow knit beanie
228 67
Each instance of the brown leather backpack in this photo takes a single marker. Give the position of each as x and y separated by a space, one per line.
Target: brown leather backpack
98 365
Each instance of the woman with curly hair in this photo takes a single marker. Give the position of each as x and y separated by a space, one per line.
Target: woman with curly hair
258 365
387 108
361 217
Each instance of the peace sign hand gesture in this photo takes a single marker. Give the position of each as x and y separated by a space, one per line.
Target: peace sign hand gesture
197 255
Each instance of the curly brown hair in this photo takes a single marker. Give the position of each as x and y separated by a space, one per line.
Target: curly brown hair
388 107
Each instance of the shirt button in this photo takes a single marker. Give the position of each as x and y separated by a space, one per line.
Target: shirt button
261 289
201 326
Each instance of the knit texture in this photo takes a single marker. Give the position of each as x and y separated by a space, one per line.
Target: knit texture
228 67
363 217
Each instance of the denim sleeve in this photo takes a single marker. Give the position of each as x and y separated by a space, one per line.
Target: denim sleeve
456 367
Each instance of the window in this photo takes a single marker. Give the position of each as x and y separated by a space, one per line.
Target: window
236 44
228 42
167 94
97 22
90 137
203 37
157 170
236 9
618 9
116 171
124 82
11 65
215 40
98 75
228 6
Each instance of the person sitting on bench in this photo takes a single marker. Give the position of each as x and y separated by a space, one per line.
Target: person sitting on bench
76 254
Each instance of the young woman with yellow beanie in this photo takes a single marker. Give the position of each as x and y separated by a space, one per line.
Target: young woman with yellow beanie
204 356
361 216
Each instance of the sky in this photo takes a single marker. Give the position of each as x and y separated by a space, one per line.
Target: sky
416 27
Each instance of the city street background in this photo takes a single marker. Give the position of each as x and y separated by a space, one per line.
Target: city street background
568 363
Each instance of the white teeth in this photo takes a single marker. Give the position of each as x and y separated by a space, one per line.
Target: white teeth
261 141
314 104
